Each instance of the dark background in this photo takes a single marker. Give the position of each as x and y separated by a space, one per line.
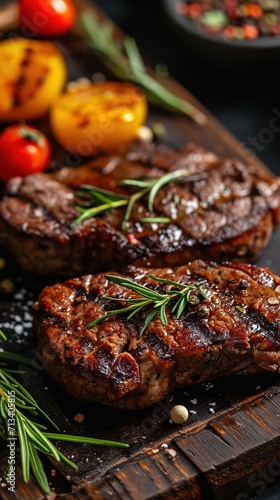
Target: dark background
240 94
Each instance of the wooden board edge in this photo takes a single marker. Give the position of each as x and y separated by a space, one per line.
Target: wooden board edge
174 469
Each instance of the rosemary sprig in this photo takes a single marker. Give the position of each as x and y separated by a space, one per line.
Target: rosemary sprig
18 413
102 200
123 59
180 294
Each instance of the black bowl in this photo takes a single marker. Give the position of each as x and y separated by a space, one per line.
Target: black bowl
214 48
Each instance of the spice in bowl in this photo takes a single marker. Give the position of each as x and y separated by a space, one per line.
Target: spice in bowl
233 19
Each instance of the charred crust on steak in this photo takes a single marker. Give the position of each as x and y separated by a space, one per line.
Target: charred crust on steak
111 364
228 213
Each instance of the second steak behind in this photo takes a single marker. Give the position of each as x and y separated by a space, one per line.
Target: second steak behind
223 211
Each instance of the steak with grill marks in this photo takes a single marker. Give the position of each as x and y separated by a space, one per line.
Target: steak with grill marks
224 211
238 333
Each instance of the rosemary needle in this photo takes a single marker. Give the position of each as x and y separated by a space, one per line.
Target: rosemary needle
123 59
18 405
2 336
150 300
97 200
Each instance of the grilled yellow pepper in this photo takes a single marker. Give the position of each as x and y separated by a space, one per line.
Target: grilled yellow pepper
32 74
98 117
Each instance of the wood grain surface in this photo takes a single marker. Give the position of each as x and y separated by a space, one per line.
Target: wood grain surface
228 449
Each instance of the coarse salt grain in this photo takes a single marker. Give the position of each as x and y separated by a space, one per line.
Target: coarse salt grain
18 329
18 296
273 301
208 385
145 134
38 212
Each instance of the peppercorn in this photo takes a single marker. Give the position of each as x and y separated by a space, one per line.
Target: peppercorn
179 414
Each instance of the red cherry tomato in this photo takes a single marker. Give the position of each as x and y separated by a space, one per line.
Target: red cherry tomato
23 151
46 17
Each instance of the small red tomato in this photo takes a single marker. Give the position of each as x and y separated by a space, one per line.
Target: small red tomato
23 151
46 18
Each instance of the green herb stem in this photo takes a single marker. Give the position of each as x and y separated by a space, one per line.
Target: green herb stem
82 440
33 438
92 212
150 300
124 60
2 336
102 201
17 358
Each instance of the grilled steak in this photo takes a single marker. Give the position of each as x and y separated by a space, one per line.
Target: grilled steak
223 210
236 329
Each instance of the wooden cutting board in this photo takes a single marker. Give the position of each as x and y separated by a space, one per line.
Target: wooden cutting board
228 449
